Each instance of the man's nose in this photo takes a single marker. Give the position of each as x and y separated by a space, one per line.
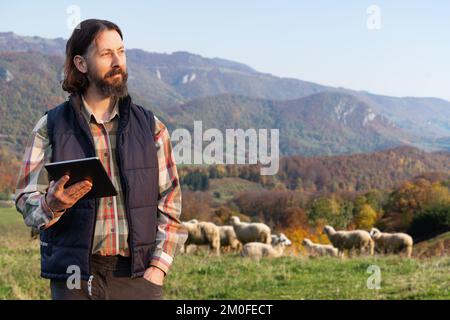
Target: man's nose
116 60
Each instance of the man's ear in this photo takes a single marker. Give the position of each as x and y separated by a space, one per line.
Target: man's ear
80 63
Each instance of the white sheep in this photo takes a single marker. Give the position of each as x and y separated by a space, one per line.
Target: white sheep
192 248
359 240
251 232
320 250
280 237
228 239
203 233
257 250
392 242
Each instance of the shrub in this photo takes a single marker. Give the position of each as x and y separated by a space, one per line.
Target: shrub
430 223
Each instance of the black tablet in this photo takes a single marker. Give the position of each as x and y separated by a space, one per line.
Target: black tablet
84 169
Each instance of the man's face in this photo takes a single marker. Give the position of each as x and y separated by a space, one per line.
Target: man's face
106 62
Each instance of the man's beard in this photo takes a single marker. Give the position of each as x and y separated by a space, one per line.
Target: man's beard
110 86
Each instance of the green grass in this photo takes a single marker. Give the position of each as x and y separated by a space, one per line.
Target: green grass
230 277
200 276
19 260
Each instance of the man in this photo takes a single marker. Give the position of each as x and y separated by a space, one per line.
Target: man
121 247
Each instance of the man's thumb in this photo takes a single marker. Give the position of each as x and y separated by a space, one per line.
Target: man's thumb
61 182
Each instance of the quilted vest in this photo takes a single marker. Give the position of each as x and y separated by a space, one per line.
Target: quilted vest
68 242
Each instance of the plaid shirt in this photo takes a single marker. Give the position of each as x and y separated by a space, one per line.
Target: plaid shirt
111 229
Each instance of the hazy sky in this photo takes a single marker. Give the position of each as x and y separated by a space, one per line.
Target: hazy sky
327 42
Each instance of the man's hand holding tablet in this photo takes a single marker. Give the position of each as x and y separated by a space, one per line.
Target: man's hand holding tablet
59 198
72 180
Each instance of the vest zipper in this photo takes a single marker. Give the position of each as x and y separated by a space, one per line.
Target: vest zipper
127 209
91 277
88 133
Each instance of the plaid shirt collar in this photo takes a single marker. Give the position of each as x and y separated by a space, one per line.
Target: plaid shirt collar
87 113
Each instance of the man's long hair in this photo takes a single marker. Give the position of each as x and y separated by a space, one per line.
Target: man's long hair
76 82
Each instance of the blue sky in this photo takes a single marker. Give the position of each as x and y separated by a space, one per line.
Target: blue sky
327 42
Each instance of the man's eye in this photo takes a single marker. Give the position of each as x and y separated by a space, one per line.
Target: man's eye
105 54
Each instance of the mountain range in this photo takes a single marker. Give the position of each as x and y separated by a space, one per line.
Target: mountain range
181 87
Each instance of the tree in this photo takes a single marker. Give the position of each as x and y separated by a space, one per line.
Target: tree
196 205
9 167
366 217
327 209
430 222
412 198
196 180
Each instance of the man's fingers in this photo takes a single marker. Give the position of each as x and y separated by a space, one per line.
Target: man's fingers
69 200
59 185
78 195
70 191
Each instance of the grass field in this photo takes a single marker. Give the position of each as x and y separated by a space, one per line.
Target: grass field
231 277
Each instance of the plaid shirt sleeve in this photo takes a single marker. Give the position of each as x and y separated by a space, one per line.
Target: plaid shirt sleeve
32 181
171 235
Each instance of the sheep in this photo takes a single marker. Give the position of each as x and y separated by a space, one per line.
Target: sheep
257 250
228 238
355 239
275 238
392 242
192 248
203 233
251 232
320 250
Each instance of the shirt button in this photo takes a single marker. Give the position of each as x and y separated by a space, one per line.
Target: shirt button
113 230
106 154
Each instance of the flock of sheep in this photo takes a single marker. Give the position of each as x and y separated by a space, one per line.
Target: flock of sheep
361 241
255 240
